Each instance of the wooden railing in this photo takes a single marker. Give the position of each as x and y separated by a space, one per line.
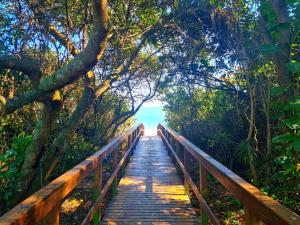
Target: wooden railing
258 206
45 204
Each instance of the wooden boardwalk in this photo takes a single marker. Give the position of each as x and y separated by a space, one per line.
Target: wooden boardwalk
151 191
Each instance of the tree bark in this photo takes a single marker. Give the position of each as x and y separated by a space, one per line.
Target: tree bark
79 65
35 151
282 57
57 148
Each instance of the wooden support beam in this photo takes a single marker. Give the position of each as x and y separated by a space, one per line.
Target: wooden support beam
250 217
53 217
186 165
123 150
203 191
115 164
97 192
177 148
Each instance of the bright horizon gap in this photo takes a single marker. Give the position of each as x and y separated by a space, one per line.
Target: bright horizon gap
151 114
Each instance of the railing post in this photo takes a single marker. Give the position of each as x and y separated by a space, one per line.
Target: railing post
173 141
167 140
133 138
115 164
203 191
158 128
143 129
123 149
250 217
177 151
53 217
177 148
186 164
173 144
130 138
97 192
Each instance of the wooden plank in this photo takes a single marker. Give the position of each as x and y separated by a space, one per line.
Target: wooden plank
148 193
267 209
123 149
148 223
203 190
97 192
53 217
251 218
185 164
114 167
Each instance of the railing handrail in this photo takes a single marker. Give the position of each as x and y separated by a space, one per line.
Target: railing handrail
37 206
263 206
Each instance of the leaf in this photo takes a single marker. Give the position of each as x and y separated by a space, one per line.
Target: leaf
288 171
268 49
296 101
293 123
276 91
296 143
293 1
283 138
294 66
294 104
281 160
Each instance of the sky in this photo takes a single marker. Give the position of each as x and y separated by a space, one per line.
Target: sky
151 114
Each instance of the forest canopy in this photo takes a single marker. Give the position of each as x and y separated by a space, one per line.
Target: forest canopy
74 73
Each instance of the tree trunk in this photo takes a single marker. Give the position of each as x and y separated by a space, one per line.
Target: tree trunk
37 147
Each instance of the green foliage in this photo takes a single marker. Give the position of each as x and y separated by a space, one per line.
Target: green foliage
10 163
211 120
215 121
285 180
294 66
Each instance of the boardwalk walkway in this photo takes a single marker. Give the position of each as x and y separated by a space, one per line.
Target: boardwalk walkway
151 191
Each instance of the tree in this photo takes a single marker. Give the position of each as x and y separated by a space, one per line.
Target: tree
90 53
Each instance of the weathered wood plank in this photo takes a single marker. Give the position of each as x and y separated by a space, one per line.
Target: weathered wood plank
151 191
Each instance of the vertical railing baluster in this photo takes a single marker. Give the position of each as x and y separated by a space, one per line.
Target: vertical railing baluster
134 136
115 164
143 130
250 217
177 151
97 192
203 191
53 217
129 140
186 165
168 140
177 148
173 144
123 149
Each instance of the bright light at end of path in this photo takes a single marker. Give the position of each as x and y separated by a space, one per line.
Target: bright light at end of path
151 114
150 131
